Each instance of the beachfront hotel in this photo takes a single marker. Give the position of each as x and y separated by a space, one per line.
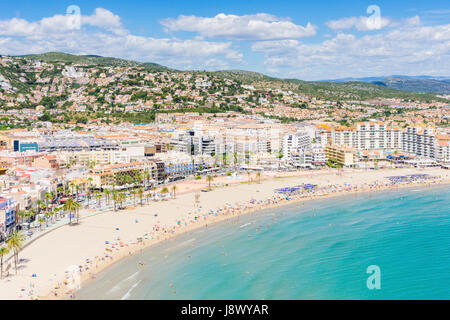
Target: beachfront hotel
342 155
363 136
422 141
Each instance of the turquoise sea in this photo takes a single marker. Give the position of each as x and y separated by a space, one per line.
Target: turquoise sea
317 250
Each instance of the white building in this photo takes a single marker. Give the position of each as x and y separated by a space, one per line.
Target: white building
295 143
420 141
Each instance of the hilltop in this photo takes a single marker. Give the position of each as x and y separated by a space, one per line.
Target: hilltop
93 60
418 84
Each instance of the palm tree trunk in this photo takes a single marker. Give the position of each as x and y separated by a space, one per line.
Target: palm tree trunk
15 261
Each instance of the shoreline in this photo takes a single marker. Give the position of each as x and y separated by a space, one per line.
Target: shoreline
97 243
213 220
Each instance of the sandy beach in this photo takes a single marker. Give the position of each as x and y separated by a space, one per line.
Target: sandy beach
102 239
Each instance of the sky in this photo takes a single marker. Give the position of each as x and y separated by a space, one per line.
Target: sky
308 40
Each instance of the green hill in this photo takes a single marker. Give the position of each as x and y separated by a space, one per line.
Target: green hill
246 77
417 85
92 60
351 90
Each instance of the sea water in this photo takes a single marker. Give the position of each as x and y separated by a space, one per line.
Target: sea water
314 250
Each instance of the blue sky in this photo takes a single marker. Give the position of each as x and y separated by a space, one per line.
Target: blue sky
311 40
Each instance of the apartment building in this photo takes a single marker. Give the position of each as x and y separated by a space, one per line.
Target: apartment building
443 148
7 216
46 162
204 145
364 136
14 159
420 141
302 159
108 175
295 143
342 155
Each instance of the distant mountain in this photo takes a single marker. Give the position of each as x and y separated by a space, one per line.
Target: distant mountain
420 84
355 90
93 60
417 85
380 78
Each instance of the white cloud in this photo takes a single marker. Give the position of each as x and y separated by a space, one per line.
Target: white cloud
259 26
105 19
408 49
61 25
102 34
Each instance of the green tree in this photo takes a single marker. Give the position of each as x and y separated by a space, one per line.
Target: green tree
174 190
71 206
209 179
3 252
15 244
140 193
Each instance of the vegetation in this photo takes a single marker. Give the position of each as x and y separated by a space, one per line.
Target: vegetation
15 244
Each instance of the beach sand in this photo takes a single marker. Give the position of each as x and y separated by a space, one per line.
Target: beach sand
49 257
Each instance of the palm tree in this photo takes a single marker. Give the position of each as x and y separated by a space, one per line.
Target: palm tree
70 207
122 198
209 179
77 189
115 197
72 186
41 222
3 252
55 213
99 197
22 214
139 178
140 193
107 193
39 205
48 197
89 190
148 196
133 193
147 177
31 213
174 190
77 210
248 176
128 180
258 175
154 190
15 243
